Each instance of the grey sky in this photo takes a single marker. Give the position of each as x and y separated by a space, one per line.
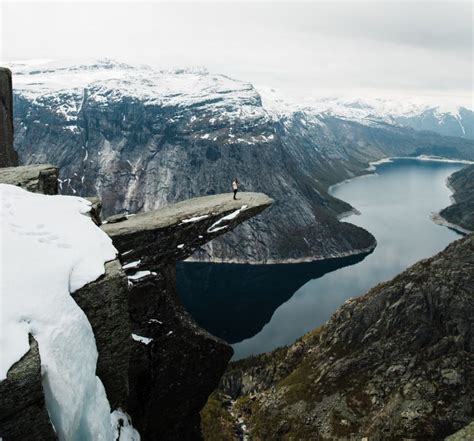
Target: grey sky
375 48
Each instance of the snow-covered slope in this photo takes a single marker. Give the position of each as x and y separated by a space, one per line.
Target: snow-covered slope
107 81
49 249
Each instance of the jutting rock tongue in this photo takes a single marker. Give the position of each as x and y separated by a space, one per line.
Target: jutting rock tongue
174 364
8 156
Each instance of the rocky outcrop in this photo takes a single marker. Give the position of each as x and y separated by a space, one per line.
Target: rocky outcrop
8 155
154 361
177 231
461 213
174 364
393 364
37 178
23 414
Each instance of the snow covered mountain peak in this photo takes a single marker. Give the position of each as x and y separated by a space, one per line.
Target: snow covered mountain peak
168 87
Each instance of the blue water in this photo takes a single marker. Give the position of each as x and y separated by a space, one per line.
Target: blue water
259 308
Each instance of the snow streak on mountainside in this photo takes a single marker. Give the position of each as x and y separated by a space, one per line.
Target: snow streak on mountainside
141 138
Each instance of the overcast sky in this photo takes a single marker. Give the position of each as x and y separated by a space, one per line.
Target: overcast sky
375 48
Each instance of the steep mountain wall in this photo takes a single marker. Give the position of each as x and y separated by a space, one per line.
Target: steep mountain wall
8 156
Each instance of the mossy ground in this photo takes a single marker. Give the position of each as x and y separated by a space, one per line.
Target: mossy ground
217 423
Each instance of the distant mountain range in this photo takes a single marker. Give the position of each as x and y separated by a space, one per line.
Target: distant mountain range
141 138
445 118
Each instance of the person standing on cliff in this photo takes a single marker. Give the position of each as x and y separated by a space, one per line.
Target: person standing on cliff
235 187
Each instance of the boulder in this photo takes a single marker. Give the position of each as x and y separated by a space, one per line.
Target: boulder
38 178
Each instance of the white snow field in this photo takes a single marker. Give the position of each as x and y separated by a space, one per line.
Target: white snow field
49 249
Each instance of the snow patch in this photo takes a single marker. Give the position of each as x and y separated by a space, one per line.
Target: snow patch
133 264
194 219
140 275
122 427
51 248
141 339
215 226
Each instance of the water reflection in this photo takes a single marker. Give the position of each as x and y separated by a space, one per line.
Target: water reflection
234 302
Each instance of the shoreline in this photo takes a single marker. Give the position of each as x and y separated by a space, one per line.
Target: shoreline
438 219
348 213
309 259
371 169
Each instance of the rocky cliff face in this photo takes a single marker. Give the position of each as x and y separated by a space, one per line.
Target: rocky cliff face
154 361
23 414
393 364
8 156
175 364
461 213
168 136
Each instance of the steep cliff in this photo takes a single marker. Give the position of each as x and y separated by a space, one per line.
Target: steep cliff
174 365
395 363
8 156
154 361
461 213
165 136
